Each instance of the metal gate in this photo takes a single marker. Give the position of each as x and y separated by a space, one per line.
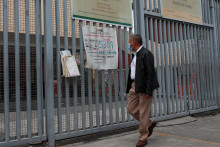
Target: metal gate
186 57
38 104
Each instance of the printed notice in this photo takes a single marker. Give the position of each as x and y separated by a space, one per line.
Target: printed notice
101 47
109 11
186 10
70 68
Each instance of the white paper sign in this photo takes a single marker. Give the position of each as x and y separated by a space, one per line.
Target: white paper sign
70 68
101 47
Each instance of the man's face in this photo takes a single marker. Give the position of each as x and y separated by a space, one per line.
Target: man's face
132 44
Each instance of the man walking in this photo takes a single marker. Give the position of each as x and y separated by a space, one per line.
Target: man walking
142 81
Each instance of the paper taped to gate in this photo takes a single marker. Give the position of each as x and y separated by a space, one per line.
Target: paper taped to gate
70 68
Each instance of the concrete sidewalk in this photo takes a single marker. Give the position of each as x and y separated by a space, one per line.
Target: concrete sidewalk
201 130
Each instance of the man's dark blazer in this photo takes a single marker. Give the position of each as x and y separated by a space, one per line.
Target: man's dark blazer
145 75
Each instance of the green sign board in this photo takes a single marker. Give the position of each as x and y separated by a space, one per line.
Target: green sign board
186 10
108 11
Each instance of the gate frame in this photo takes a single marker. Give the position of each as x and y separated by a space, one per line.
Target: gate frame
49 89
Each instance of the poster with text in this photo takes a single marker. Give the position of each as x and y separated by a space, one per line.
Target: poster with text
101 47
108 11
185 10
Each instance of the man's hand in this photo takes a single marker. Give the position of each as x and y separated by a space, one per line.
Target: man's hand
148 96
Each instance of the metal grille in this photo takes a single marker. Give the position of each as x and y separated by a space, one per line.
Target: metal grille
98 101
19 98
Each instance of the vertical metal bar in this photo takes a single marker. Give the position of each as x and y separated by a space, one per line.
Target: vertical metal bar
135 15
186 73
216 51
218 46
126 64
155 6
171 65
211 73
206 55
205 11
162 67
121 75
147 32
217 27
49 94
213 67
218 24
209 14
210 68
6 69
130 33
186 58
158 65
205 77
110 96
210 88
97 94
199 67
38 67
194 36
153 52
103 98
116 95
218 20
90 94
44 71
41 70
97 98
65 24
82 76
179 66
103 94
150 5
159 6
202 67
201 71
28 68
151 36
167 78
190 72
195 84
74 37
110 89
116 92
175 64
17 71
141 27
57 11
183 66
145 2
75 79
